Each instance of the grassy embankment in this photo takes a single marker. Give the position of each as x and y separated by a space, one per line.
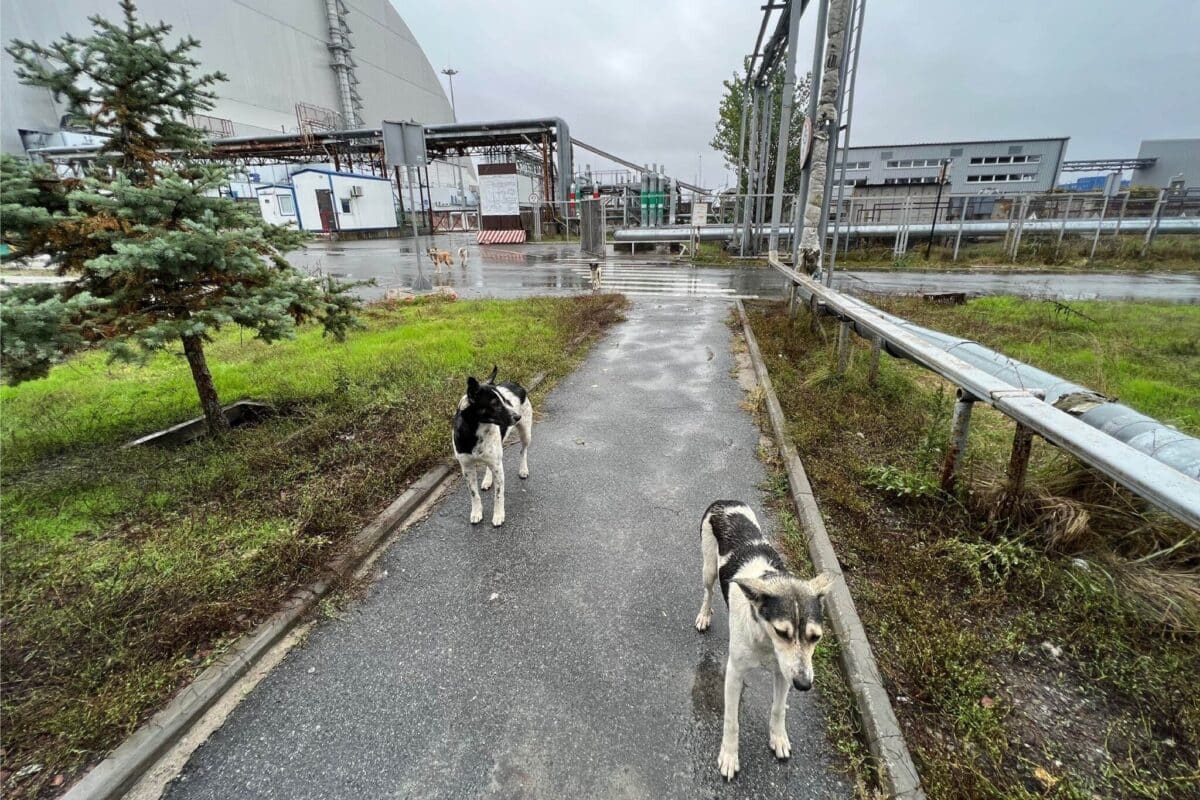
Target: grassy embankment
1167 254
124 571
1054 654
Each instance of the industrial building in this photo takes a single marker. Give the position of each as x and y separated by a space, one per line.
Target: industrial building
346 63
294 66
1175 165
999 166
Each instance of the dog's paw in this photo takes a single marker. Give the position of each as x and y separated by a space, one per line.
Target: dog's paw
703 620
487 481
523 474
476 515
727 762
497 519
781 745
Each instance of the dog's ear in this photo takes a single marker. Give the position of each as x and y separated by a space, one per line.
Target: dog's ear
755 589
472 387
821 584
492 377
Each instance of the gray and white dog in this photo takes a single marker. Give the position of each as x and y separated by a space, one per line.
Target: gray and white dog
485 415
775 618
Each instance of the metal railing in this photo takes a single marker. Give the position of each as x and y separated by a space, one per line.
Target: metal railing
1160 484
904 215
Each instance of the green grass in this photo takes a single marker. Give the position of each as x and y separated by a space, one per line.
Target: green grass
957 603
124 571
1147 355
1167 254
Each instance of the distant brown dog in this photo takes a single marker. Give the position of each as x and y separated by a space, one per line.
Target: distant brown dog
440 258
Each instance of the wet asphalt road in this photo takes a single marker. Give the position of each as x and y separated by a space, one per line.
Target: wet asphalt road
554 657
522 270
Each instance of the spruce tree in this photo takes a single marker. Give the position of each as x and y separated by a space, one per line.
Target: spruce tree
157 256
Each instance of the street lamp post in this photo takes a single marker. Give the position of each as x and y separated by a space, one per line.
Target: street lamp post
450 72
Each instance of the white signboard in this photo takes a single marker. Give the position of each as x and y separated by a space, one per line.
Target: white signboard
498 195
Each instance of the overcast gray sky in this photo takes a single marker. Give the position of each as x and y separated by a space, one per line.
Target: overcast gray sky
643 78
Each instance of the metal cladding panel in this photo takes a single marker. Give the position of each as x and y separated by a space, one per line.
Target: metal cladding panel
273 51
1045 171
1175 157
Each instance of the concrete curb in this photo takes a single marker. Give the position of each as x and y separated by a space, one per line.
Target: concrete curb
897 774
125 765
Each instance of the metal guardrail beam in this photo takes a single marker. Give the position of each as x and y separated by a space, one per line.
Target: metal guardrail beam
1167 488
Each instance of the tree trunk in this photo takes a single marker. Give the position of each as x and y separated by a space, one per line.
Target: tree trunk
193 348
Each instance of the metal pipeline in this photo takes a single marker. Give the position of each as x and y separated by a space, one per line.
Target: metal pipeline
1156 439
1147 457
708 233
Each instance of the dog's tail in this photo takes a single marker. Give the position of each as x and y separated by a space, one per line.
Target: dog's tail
492 377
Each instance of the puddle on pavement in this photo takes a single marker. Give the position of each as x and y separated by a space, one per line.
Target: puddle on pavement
708 688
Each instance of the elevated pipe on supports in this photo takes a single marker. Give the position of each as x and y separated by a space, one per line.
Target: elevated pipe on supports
709 233
1150 459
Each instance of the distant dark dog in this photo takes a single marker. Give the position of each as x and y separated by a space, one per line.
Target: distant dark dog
485 415
462 257
775 618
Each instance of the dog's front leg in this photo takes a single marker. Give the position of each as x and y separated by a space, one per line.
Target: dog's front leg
498 502
476 500
727 760
778 730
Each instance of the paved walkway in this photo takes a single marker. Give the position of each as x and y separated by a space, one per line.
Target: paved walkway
554 657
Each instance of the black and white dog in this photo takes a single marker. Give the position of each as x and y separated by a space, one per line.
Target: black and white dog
485 414
775 618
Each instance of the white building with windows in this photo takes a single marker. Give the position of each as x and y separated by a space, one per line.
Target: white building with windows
322 200
999 166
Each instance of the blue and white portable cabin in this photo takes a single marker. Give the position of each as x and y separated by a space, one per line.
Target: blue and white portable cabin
327 201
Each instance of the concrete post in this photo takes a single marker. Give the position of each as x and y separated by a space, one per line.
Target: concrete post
873 368
814 93
843 347
834 135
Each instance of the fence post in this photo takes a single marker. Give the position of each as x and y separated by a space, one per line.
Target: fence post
1018 466
1022 213
1121 216
873 369
1063 227
962 216
843 347
1155 217
1099 224
960 425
